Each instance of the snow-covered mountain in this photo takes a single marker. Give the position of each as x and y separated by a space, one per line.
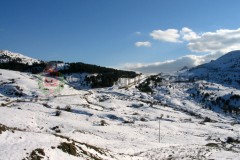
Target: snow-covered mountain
155 118
7 56
228 62
225 70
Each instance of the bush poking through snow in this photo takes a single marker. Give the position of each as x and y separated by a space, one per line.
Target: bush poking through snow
103 123
232 140
128 122
161 116
212 145
143 119
68 108
56 129
46 105
207 119
37 154
58 113
2 128
68 148
136 105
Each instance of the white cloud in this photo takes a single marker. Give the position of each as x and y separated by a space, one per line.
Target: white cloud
172 65
143 44
138 33
169 35
223 40
187 34
214 44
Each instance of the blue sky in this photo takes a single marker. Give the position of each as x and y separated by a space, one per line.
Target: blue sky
104 32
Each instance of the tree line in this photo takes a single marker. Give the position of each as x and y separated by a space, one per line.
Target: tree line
105 76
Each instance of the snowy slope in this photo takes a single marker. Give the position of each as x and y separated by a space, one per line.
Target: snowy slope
224 70
229 61
6 56
111 123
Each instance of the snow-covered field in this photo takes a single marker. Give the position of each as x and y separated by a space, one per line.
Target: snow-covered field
112 123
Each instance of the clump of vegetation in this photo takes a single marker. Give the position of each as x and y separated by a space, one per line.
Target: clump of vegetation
144 87
153 80
161 116
207 119
69 148
212 145
37 154
3 128
136 105
103 98
135 113
103 123
232 140
128 122
56 129
58 113
143 119
68 108
46 105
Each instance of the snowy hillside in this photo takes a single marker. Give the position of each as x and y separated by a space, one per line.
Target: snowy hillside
7 56
224 70
111 123
229 61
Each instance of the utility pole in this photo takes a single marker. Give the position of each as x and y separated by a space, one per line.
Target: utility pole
159 138
159 131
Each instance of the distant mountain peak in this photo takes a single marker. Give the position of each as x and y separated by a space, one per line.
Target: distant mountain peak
224 70
184 68
231 60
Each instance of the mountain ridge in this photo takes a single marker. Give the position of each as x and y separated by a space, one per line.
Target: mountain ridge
224 70
228 60
6 56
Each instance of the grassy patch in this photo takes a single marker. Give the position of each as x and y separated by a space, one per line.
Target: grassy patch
68 148
3 128
212 145
36 154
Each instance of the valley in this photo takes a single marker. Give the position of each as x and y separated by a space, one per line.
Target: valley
113 123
